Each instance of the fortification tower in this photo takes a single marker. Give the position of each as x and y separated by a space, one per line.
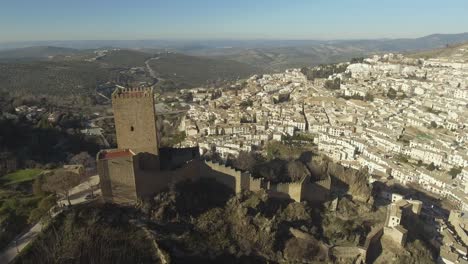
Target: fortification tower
135 120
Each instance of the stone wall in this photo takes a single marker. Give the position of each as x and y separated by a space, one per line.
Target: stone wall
456 219
151 182
349 254
117 180
228 176
256 185
135 120
316 191
127 178
397 234
293 190
372 242
237 180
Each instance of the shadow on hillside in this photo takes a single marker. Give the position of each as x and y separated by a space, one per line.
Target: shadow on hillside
192 198
338 188
374 251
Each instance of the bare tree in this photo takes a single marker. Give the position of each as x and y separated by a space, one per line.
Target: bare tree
296 170
61 181
88 162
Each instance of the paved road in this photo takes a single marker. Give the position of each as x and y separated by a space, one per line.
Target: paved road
77 196
150 70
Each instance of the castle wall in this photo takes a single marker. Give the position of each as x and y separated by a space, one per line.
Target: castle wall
372 243
104 180
416 206
344 254
397 234
117 180
457 221
154 181
135 120
228 176
316 191
295 191
255 185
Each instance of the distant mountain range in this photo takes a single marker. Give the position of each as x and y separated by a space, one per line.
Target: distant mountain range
36 52
269 55
426 42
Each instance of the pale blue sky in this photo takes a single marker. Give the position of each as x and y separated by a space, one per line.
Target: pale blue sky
233 19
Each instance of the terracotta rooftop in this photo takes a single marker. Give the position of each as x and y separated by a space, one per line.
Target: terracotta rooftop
116 154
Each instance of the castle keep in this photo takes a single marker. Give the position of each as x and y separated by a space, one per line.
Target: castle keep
135 120
138 168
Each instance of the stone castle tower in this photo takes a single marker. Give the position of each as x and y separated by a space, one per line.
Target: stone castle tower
135 120
137 169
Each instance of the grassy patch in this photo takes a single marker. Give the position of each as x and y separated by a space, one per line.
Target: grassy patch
15 209
21 176
424 136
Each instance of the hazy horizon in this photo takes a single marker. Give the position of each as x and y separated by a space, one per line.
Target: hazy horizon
234 39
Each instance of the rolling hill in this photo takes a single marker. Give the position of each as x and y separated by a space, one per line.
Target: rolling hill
77 75
124 58
52 78
459 51
185 71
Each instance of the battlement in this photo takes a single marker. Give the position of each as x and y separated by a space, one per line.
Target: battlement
245 181
325 183
223 168
125 93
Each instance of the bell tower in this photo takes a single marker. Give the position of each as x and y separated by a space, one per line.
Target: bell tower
135 120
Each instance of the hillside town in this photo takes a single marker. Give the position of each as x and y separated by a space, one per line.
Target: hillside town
404 119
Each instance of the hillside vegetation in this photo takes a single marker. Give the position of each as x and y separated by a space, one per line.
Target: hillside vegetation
188 71
73 76
52 78
279 59
459 51
90 234
124 59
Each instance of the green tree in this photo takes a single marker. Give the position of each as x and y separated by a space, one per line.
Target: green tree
392 93
246 161
334 84
454 171
369 97
431 166
357 60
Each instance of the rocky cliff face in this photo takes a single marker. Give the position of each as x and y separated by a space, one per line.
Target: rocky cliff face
248 228
356 182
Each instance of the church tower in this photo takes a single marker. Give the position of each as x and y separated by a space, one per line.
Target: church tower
135 120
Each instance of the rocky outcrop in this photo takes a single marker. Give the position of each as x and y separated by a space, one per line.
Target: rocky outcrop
355 181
